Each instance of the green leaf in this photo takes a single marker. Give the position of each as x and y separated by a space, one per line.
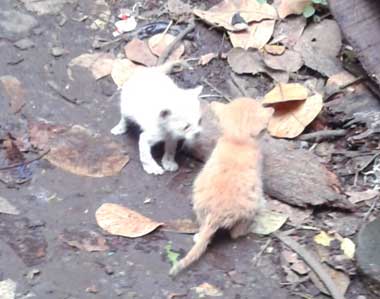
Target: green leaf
309 11
262 1
317 1
170 254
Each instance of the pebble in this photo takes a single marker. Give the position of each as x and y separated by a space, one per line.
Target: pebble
24 44
57 51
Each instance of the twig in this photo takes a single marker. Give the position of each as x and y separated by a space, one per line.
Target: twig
369 162
56 88
313 263
324 134
370 210
217 90
257 257
25 162
173 44
238 85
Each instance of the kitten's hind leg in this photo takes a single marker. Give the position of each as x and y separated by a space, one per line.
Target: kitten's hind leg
240 229
168 160
121 127
149 164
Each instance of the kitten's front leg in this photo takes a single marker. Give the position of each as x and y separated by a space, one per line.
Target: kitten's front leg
149 164
168 160
121 127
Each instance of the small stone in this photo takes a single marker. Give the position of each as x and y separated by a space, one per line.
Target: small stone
15 24
92 289
38 30
57 51
24 44
131 295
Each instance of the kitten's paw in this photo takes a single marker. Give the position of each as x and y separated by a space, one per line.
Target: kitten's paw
169 165
118 130
153 169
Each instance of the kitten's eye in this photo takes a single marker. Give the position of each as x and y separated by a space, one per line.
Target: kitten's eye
186 127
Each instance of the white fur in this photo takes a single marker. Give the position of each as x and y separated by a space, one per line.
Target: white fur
164 112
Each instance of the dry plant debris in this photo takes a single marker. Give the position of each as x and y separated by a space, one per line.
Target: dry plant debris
138 51
159 42
100 64
207 290
267 222
121 221
14 91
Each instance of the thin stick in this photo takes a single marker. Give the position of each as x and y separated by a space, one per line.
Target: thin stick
26 162
238 85
324 134
217 90
257 257
56 88
368 213
313 263
173 44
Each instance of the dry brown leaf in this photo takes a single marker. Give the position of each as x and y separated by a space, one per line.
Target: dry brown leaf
290 61
256 35
14 91
205 289
289 31
274 49
290 7
245 61
290 118
356 197
86 245
183 226
341 280
222 13
78 151
267 222
122 70
285 93
297 216
159 42
100 64
138 51
206 58
121 221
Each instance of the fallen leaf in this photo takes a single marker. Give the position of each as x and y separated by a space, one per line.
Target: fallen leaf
78 151
289 31
285 93
348 247
267 222
206 58
7 289
300 267
356 197
159 42
121 221
14 91
12 152
222 14
171 255
7 208
341 280
206 289
183 226
290 118
290 61
138 51
178 8
122 70
323 239
290 7
293 262
245 61
92 243
297 216
274 49
256 35
100 64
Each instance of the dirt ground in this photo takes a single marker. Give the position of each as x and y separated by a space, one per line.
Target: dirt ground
56 206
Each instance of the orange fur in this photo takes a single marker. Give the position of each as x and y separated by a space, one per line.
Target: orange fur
228 191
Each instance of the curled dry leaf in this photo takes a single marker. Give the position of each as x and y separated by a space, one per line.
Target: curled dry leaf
138 51
285 93
221 14
121 221
290 7
290 118
100 64
206 58
78 151
256 35
267 222
122 70
274 49
13 89
245 61
290 61
159 42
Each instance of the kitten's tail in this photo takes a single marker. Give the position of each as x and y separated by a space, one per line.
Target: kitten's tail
200 246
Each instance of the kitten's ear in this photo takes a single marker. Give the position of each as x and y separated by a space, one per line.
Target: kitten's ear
165 113
217 108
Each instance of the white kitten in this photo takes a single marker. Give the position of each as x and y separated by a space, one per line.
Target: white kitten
164 112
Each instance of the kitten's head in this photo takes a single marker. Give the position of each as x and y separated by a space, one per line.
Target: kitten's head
242 117
184 120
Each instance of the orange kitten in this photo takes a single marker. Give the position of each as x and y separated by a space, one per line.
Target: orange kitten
228 191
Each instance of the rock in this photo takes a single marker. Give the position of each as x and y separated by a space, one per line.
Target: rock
43 7
368 254
24 44
15 24
57 51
